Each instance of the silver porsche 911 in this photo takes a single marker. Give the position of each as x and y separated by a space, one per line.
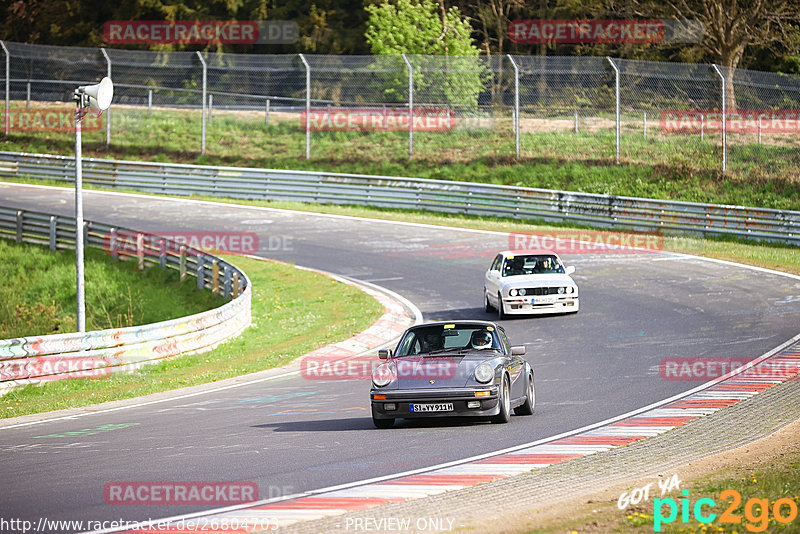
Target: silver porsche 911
452 369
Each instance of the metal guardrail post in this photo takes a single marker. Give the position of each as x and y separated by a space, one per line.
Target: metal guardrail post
140 251
724 119
182 263
201 276
516 102
203 129
108 111
308 105
410 106
8 86
616 94
53 235
20 215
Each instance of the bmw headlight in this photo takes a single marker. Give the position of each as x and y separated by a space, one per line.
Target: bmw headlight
562 290
512 292
572 289
383 375
484 373
522 292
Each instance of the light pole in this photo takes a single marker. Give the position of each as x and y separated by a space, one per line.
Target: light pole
97 97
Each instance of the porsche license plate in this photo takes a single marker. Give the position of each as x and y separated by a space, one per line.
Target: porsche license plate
441 407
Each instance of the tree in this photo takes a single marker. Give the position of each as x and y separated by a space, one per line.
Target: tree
731 26
415 28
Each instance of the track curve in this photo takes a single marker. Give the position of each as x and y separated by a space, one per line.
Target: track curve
295 435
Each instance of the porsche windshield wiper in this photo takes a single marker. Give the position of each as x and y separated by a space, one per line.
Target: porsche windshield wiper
442 351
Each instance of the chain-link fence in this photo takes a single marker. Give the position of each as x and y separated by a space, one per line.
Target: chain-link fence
535 108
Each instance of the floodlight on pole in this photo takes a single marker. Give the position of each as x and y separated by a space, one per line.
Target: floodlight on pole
96 97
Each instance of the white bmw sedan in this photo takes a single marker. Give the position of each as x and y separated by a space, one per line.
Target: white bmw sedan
529 282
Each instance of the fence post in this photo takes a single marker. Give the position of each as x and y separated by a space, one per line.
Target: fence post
20 215
28 95
108 111
214 277
724 119
308 105
140 251
149 101
210 107
645 124
182 267
162 253
266 113
410 106
759 129
576 121
201 275
203 129
516 102
616 94
8 85
53 232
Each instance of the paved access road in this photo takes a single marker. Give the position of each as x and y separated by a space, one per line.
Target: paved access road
291 435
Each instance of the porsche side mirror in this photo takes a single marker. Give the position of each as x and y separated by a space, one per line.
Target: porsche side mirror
519 350
570 269
385 354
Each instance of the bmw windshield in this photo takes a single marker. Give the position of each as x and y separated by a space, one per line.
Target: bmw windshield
532 264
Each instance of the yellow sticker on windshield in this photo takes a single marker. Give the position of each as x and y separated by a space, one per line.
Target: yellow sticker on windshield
490 328
449 326
510 257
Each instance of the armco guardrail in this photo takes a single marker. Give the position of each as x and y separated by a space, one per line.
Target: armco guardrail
92 354
414 193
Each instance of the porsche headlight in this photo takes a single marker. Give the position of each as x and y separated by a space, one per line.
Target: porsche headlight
484 373
512 292
383 375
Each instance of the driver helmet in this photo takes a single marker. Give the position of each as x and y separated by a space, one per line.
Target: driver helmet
481 340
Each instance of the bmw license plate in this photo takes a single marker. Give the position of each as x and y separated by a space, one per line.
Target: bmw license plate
441 407
543 300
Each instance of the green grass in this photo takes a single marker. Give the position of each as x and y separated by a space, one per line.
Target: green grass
294 311
677 167
37 296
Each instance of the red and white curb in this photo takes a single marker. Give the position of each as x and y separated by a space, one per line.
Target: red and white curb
649 421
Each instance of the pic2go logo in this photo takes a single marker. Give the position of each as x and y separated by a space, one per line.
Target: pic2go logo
756 511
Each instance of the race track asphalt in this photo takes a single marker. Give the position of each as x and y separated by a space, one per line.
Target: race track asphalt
291 435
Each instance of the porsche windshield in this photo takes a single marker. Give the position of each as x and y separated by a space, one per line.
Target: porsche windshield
446 338
532 264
